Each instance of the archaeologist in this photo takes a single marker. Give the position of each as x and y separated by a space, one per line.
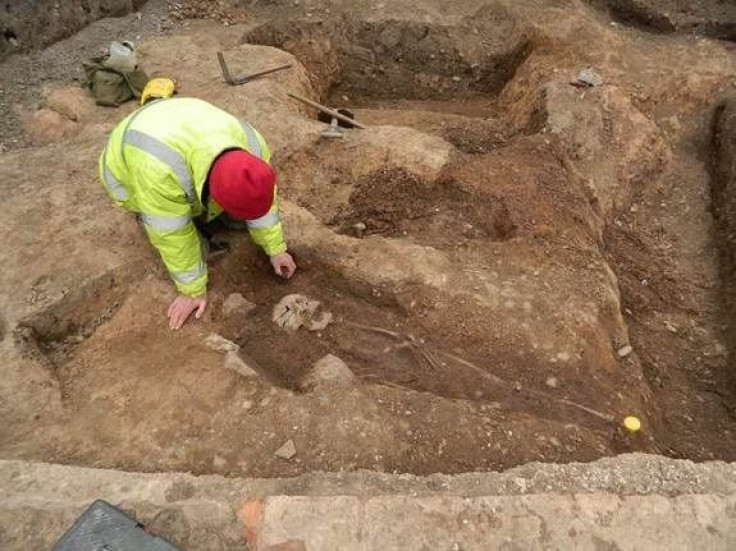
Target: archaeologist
177 161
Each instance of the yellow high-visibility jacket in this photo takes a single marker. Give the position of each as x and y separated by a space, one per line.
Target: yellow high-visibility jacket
155 164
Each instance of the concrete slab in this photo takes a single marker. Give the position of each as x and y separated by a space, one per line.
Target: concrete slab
632 501
544 521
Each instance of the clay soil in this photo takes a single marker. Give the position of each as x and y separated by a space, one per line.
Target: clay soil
511 304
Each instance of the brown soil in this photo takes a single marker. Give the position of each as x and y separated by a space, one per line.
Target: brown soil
27 25
24 74
486 301
394 203
714 18
147 408
402 58
409 337
472 125
723 191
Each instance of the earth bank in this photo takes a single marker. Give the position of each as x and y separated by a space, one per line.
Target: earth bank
513 264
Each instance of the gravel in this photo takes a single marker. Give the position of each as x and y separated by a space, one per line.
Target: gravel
23 76
629 474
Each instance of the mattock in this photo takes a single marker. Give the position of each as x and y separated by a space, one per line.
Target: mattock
245 78
333 131
335 117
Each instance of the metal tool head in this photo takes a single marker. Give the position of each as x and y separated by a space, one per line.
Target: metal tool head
333 131
223 68
235 81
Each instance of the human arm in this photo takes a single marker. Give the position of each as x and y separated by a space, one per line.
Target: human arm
171 231
267 232
182 307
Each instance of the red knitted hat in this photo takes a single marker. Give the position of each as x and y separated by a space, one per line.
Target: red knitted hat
242 184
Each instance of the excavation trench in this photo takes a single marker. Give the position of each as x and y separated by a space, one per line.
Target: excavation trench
404 58
434 77
471 350
486 332
723 187
711 18
169 402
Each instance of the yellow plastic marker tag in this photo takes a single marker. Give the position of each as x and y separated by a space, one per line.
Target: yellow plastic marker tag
632 424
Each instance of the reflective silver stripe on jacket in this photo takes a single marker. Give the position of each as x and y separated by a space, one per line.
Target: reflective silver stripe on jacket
270 219
253 144
165 223
114 187
190 276
167 155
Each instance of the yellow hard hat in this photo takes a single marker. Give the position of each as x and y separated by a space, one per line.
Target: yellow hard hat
161 87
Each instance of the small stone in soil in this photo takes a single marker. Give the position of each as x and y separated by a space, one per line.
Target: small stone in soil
235 362
236 303
552 382
589 77
625 351
330 371
220 344
287 451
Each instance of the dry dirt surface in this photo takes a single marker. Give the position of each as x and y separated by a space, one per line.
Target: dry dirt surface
28 24
714 18
512 263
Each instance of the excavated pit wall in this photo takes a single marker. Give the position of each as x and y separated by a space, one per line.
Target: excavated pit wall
31 24
713 18
414 59
723 192
572 133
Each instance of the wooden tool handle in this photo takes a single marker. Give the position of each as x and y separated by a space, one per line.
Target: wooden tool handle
331 112
246 78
